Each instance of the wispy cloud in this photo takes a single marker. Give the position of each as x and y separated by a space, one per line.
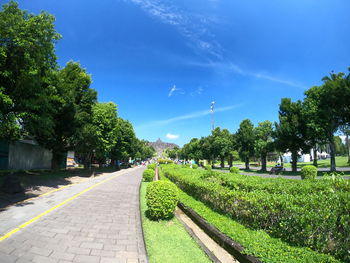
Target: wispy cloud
192 26
231 67
189 116
172 136
197 92
174 90
195 28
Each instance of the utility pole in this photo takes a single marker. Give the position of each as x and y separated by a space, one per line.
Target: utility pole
212 114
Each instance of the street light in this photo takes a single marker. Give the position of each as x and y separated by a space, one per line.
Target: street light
212 114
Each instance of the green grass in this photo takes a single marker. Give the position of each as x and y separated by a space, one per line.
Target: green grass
255 242
289 173
168 241
341 161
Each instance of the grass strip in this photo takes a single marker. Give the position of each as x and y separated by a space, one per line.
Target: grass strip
167 240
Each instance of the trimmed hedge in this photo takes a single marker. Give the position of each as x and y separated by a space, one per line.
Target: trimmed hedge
302 213
208 167
234 170
152 166
165 161
148 175
162 198
194 166
308 172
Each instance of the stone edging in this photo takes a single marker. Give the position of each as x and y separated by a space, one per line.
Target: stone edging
234 248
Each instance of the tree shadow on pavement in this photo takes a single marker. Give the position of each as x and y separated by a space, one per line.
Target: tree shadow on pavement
37 182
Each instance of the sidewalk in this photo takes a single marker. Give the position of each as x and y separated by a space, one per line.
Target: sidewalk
100 225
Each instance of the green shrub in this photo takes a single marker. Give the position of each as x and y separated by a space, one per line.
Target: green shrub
186 165
194 166
152 166
165 161
148 175
308 172
234 170
207 167
162 198
302 213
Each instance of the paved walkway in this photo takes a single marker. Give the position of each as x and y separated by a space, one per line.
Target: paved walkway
99 225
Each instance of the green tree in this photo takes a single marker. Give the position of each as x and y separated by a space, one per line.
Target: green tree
192 150
245 138
264 141
144 150
27 56
291 130
173 153
71 101
330 107
104 118
222 144
340 147
126 145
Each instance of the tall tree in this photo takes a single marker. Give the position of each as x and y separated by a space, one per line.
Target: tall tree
71 101
104 118
222 144
125 146
27 56
264 141
291 130
330 109
245 141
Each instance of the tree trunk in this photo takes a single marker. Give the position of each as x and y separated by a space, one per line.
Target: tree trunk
230 160
56 161
247 163
348 147
294 161
222 164
332 153
315 156
263 162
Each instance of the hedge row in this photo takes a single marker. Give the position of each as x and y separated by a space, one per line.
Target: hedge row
318 220
255 242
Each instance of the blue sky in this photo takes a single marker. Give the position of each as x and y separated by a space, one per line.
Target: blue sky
163 61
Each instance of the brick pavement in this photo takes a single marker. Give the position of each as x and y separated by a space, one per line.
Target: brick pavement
102 225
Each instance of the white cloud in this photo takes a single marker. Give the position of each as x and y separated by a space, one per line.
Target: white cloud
197 92
174 91
189 116
192 26
172 136
234 68
195 28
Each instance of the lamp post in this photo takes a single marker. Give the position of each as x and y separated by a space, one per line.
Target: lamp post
212 114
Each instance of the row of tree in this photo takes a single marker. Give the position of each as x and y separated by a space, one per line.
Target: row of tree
55 106
303 125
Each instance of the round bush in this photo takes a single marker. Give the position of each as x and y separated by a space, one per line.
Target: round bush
234 170
148 175
161 198
194 166
207 167
152 166
308 172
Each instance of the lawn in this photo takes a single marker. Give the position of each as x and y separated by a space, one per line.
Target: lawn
341 161
168 241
